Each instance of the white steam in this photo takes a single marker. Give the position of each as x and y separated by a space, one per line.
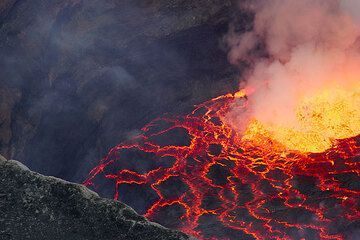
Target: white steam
310 44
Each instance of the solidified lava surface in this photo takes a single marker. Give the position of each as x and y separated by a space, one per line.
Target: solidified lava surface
198 176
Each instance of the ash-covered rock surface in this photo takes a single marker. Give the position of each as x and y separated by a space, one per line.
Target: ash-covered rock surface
33 206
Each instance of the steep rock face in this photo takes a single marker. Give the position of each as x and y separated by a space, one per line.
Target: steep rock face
33 206
80 76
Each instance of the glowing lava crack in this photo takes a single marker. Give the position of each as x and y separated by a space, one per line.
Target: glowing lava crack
225 185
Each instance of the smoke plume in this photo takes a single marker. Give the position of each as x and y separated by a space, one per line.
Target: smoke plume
295 49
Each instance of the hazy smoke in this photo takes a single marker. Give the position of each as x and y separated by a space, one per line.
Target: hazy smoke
306 45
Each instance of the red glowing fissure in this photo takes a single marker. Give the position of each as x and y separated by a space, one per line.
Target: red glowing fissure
260 192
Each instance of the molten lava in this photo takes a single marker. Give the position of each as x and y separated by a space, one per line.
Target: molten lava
320 120
260 184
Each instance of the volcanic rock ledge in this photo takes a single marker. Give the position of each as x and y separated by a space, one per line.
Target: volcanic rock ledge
33 206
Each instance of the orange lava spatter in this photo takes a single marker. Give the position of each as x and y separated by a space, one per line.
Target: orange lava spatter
316 122
223 186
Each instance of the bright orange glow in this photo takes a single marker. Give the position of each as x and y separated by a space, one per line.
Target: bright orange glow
319 121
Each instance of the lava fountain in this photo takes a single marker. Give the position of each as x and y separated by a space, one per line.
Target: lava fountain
278 159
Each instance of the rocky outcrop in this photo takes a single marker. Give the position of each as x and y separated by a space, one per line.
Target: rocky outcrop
33 206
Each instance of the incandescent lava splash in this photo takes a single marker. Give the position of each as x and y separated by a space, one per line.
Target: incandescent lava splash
266 182
320 120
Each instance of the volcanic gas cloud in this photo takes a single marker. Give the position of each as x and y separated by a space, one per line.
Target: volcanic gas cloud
279 159
305 91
